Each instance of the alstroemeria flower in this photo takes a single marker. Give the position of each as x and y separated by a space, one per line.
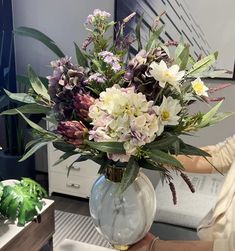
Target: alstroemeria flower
199 87
168 113
163 74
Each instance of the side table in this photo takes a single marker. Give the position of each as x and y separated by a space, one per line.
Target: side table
33 236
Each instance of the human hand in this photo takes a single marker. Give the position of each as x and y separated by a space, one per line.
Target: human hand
144 244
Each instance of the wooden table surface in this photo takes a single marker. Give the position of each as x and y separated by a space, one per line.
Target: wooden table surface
33 236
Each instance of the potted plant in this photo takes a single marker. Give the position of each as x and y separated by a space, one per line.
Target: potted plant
20 200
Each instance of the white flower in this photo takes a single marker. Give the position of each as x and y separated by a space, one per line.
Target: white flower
163 74
121 115
199 87
167 113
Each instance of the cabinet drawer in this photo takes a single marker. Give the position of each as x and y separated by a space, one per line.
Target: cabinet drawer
83 169
73 185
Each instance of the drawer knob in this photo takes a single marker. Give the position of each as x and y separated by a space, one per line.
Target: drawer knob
68 184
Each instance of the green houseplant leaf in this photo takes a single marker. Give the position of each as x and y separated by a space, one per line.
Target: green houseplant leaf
20 203
38 35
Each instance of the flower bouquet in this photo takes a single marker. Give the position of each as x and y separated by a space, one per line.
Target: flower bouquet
123 111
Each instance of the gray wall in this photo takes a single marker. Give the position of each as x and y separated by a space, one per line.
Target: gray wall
61 20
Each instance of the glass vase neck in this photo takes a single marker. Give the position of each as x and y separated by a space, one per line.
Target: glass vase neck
114 173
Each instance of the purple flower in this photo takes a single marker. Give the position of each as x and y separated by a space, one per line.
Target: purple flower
109 58
97 14
73 132
97 77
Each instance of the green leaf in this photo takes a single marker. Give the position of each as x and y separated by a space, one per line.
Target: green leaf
180 47
203 64
32 150
108 147
63 157
184 57
137 31
18 203
164 158
33 188
81 58
220 116
28 109
147 164
192 150
21 97
153 38
37 85
34 125
206 118
63 146
162 143
21 79
130 174
38 35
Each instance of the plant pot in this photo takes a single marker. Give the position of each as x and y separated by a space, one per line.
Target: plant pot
10 168
122 219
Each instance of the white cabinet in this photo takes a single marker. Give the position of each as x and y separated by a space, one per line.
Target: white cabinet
80 179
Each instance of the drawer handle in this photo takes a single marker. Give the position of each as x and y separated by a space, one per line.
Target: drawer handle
73 185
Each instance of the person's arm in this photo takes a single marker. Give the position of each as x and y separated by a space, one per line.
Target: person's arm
160 245
222 156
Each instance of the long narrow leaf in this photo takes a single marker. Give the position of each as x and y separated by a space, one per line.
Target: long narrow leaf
164 158
37 85
81 58
137 31
21 97
108 147
27 109
130 174
203 64
38 35
163 143
154 37
33 150
36 127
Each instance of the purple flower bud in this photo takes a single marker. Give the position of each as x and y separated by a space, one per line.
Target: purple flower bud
82 103
74 132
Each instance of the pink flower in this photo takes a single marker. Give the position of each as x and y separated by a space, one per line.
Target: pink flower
73 132
82 103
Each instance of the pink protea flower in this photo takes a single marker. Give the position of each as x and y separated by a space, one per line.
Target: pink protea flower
74 132
82 103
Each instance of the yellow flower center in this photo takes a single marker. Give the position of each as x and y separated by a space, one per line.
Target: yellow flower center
168 74
198 87
165 115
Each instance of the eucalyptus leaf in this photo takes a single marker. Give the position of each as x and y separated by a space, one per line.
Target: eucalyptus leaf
32 150
108 147
203 64
37 127
38 35
206 118
163 143
21 97
130 174
37 85
81 58
153 38
63 146
164 158
28 109
137 31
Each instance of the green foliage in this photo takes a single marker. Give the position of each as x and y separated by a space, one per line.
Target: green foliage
21 202
108 147
38 35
